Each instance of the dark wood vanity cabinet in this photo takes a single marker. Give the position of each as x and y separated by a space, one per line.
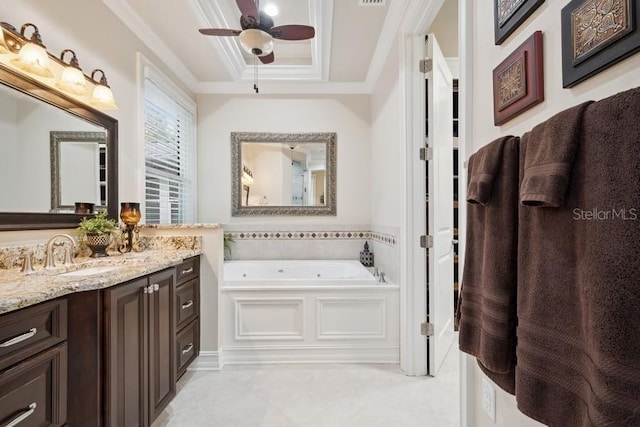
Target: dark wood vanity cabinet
128 344
139 349
33 365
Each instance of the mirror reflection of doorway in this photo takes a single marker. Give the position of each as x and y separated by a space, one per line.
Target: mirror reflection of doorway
317 187
298 190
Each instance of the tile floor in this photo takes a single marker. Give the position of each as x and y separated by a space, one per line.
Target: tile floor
337 395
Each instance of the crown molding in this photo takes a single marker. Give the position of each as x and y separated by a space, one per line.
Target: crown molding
390 28
139 27
210 14
284 88
404 17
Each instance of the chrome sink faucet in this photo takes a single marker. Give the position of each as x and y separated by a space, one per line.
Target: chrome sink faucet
49 262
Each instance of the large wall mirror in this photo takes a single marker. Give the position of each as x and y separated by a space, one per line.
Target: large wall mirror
283 174
50 145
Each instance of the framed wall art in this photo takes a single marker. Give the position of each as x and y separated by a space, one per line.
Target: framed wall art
595 35
509 14
518 82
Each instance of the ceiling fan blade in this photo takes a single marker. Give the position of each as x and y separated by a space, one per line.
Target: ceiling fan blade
293 32
249 9
225 32
267 59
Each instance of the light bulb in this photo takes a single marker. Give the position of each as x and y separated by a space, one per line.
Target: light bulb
73 81
33 59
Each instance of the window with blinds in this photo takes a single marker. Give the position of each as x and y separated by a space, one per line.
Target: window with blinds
169 135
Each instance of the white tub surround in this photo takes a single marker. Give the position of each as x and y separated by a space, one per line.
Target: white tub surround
294 311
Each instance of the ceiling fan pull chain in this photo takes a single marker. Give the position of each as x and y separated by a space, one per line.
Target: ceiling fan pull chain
255 74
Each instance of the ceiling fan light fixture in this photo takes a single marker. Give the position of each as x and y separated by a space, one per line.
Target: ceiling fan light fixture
256 42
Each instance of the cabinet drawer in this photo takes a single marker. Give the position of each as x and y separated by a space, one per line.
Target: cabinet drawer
187 302
187 270
26 332
33 393
187 346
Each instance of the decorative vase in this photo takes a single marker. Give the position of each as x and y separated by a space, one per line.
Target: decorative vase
98 244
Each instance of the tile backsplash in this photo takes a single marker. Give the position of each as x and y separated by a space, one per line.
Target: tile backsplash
11 256
329 242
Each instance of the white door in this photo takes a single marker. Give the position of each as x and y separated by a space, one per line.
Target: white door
439 205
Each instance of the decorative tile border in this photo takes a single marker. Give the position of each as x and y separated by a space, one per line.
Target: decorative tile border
385 239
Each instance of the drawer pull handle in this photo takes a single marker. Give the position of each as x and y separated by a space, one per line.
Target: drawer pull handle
20 418
19 338
187 270
156 287
187 349
187 304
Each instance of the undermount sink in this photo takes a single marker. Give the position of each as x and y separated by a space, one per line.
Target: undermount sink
90 271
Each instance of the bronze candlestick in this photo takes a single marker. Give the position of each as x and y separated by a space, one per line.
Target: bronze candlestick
130 216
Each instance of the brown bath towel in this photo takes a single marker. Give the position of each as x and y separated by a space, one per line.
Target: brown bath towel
487 312
547 168
578 333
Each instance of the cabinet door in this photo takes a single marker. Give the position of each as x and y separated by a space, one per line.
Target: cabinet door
126 334
162 362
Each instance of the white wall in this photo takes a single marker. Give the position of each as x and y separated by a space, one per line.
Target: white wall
386 140
347 115
486 56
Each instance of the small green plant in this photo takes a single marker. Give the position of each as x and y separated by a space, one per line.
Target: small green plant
99 224
228 241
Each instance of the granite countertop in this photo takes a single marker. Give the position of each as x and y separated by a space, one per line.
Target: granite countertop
18 290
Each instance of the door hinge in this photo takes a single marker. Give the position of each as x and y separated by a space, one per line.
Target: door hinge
426 65
426 241
427 329
426 153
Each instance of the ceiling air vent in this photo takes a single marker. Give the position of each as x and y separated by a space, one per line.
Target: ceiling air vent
372 2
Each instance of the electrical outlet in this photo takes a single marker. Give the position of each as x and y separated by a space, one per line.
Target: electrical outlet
489 399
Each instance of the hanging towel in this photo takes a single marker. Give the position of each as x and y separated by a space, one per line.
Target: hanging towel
487 313
578 352
547 166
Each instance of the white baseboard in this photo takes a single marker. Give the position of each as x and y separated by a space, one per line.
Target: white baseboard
311 354
207 361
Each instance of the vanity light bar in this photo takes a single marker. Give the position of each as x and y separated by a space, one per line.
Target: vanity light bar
25 57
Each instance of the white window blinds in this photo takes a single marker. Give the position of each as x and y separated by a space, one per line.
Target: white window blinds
169 134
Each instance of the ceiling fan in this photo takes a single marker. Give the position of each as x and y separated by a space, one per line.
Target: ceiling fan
258 32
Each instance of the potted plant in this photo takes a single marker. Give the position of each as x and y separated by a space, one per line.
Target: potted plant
228 240
97 231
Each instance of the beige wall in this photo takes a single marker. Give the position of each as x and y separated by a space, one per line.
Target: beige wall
347 115
486 56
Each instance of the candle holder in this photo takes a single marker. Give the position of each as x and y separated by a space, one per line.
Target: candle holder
130 216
